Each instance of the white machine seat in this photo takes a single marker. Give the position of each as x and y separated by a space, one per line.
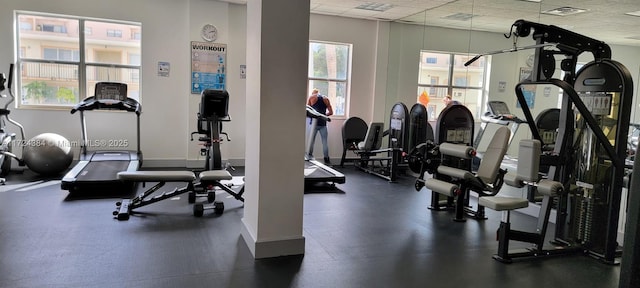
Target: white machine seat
157 176
487 176
215 175
500 203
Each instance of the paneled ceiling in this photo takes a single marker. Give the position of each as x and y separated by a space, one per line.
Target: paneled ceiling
605 20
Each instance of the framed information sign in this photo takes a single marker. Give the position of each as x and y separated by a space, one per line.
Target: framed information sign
208 66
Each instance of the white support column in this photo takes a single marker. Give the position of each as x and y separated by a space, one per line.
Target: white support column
277 60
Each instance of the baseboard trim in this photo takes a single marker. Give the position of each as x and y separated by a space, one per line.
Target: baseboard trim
271 248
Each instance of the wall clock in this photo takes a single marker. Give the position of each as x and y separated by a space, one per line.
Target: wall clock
209 32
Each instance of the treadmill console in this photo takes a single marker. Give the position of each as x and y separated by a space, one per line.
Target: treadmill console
498 108
498 112
111 91
109 96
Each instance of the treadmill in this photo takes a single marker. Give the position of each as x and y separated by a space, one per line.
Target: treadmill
314 171
97 170
498 113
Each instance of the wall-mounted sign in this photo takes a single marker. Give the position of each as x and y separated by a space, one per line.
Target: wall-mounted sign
164 68
208 66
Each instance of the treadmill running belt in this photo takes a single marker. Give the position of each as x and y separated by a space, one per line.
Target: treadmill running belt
102 170
316 173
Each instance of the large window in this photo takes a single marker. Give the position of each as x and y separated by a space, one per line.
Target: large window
58 66
444 74
329 72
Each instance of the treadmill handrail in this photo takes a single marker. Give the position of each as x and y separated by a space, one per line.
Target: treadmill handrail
91 103
313 113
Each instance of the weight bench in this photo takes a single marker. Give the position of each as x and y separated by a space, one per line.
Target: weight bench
527 174
208 180
125 207
486 182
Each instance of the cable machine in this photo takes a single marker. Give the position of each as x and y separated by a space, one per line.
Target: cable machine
590 159
590 150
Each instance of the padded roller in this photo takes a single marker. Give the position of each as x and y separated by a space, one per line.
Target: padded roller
455 172
502 203
512 180
457 150
215 175
549 188
442 187
157 176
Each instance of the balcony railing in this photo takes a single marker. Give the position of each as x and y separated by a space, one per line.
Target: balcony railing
69 72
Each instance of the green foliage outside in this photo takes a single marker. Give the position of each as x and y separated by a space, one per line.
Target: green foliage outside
38 92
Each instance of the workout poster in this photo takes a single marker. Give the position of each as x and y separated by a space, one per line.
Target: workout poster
208 71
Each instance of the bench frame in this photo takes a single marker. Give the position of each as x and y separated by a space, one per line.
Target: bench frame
126 207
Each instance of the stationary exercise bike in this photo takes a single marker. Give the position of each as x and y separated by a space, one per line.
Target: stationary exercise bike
6 138
214 110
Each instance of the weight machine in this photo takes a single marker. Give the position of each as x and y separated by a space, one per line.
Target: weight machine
388 167
591 146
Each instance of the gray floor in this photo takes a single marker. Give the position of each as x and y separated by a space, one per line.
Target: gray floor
372 234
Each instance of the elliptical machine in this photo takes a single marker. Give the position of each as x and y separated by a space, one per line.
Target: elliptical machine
6 138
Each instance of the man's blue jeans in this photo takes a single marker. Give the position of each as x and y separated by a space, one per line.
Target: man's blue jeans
324 136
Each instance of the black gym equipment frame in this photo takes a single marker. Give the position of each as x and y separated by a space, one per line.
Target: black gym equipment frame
588 210
455 125
391 165
214 110
97 170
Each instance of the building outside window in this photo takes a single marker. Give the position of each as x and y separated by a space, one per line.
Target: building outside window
57 67
330 72
442 73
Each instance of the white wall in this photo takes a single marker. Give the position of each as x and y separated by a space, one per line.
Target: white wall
165 38
406 41
363 34
384 70
168 107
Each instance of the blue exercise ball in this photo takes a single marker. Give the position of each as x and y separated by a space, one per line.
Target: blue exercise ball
47 154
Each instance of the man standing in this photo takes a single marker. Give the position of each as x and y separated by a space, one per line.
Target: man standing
321 104
448 101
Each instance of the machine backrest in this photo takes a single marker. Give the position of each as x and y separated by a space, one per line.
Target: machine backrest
529 160
547 123
214 102
373 140
354 130
492 158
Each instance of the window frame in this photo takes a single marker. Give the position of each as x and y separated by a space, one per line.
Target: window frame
346 81
82 65
452 85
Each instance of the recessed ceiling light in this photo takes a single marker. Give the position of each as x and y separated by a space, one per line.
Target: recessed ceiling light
564 11
380 7
459 16
637 13
535 1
